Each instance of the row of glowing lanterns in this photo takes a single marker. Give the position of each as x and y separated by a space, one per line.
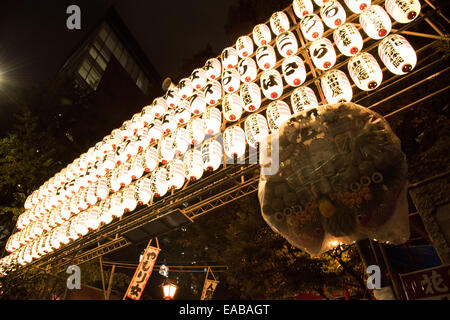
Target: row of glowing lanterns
110 178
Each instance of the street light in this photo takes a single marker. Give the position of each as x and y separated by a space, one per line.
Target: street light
169 290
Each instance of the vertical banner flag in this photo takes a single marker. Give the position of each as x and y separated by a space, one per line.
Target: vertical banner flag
143 272
209 287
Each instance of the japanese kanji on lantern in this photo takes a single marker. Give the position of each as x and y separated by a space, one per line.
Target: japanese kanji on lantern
261 35
250 97
198 78
211 154
234 142
193 164
272 84
336 87
229 57
158 182
196 131
277 112
397 54
303 99
266 57
311 26
333 14
403 11
294 71
197 103
322 53
348 39
175 174
213 92
302 8
244 46
212 119
247 69
230 80
185 88
256 129
213 68
172 97
365 71
232 107
357 6
375 22
286 44
180 141
165 149
279 22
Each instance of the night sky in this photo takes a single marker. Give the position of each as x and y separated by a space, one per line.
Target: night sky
34 40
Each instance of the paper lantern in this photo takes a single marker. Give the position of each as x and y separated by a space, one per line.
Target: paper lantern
196 131
81 224
244 46
311 26
271 84
333 14
193 164
64 232
168 121
322 53
234 142
93 218
136 169
116 138
131 148
197 103
261 34
82 201
303 99
109 161
182 112
136 122
150 159
158 183
397 54
105 212
403 11
155 130
212 119
165 150
336 87
230 80
279 22
102 191
294 71
266 57
348 39
120 154
180 141
129 199
198 78
213 92
127 132
159 107
172 97
247 69
116 205
99 169
277 112
74 204
302 8
175 174
211 154
113 180
229 58
66 210
250 95
375 22
91 196
287 44
256 129
142 139
147 115
357 6
232 107
213 68
185 88
365 71
143 191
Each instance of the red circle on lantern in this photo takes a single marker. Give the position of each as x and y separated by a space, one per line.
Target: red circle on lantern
232 117
289 52
212 101
382 32
266 65
245 53
411 15
263 42
296 82
230 66
247 79
251 107
337 22
315 35
354 50
363 6
230 89
196 111
327 64
274 95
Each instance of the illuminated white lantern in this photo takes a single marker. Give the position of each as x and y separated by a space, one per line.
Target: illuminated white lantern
172 97
131 147
250 97
261 34
311 26
182 112
109 161
81 222
137 122
197 103
74 205
158 183
357 6
180 141
28 204
129 198
142 140
198 78
126 131
333 14
403 11
147 115
277 112
230 80
102 188
137 170
82 203
175 174
232 107
336 87
322 53
93 217
256 129
303 99
234 142
271 84
287 44
211 155
113 180
247 69
105 214
348 39
116 205
150 159
212 119
159 107
213 92
279 22
302 8
185 88
91 195
165 150
365 71
196 131
375 22
229 58
120 154
66 210
155 130
266 57
244 46
193 164
397 54
143 192
64 232
213 68
294 71
168 121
